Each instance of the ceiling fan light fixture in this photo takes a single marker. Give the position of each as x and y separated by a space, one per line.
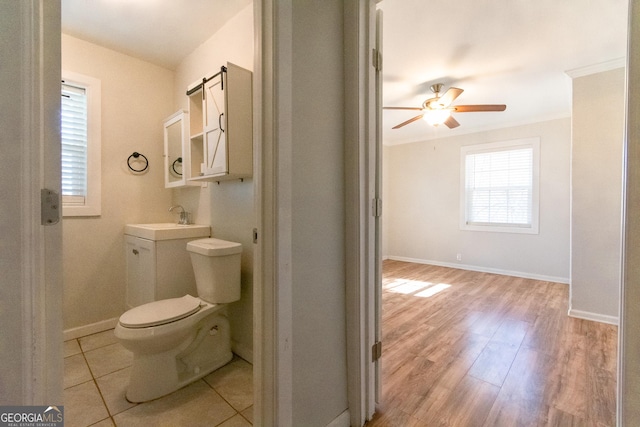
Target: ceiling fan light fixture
436 117
438 110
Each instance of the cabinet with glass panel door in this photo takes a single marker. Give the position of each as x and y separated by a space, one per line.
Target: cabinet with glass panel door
176 143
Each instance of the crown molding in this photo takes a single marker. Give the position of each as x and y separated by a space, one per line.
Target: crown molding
597 68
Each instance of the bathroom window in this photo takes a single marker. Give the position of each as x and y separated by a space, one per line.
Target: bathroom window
499 186
80 139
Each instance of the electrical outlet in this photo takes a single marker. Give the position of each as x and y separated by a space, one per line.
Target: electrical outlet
459 257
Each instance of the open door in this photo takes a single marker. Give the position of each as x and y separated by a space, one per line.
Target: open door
374 223
363 110
30 253
377 142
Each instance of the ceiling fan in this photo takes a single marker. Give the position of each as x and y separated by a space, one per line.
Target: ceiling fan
438 110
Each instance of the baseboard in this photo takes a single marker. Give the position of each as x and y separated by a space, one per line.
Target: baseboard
587 315
94 328
342 420
480 269
242 350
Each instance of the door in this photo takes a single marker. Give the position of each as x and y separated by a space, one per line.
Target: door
30 247
175 146
377 158
141 271
374 222
215 126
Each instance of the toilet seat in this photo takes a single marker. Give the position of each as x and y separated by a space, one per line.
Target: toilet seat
160 312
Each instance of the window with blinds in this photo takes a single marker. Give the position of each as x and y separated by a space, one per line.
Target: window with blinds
80 125
74 144
499 186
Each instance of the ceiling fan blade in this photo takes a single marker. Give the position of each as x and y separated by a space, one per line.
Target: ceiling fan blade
451 123
402 108
472 108
411 120
449 96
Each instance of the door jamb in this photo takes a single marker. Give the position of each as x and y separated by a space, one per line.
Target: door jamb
360 117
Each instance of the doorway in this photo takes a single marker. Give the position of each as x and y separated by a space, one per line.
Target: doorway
405 181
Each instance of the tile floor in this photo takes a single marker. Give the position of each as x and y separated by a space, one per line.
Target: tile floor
96 372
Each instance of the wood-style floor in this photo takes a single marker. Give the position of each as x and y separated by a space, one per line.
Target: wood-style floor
464 348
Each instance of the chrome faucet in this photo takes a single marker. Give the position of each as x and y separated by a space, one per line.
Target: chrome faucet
184 215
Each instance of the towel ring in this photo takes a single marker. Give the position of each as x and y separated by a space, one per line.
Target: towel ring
173 165
135 155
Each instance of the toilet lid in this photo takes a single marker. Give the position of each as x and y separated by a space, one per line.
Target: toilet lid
160 312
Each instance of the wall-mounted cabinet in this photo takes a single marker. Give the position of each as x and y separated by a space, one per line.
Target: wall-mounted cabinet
220 126
176 145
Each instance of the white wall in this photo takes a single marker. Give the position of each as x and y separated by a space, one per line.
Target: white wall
596 199
422 205
136 97
229 206
319 371
231 43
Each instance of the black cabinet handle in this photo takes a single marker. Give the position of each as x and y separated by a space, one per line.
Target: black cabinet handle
220 121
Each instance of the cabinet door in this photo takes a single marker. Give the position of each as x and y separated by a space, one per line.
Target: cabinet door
215 143
141 271
175 143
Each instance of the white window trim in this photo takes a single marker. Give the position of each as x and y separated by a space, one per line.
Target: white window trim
534 143
93 202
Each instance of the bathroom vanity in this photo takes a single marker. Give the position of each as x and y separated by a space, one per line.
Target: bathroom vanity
158 264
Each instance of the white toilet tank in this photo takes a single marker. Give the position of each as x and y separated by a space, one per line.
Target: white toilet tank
216 265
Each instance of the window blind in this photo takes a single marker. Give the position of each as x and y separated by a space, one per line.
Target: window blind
74 144
499 187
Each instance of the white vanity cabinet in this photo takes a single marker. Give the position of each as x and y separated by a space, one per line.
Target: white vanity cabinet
141 271
176 141
161 268
221 126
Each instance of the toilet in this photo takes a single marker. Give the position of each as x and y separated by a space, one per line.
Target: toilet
176 341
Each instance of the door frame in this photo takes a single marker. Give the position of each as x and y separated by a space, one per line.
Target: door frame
42 292
363 179
362 186
272 180
356 194
628 379
272 282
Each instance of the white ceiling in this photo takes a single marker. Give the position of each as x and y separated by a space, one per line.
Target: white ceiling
159 31
512 52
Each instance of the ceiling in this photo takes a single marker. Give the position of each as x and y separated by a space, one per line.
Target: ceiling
513 52
159 31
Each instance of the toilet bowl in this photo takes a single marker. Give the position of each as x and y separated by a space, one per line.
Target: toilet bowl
179 340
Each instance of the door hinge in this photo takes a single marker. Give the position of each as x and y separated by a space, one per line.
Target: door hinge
376 207
376 59
376 351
